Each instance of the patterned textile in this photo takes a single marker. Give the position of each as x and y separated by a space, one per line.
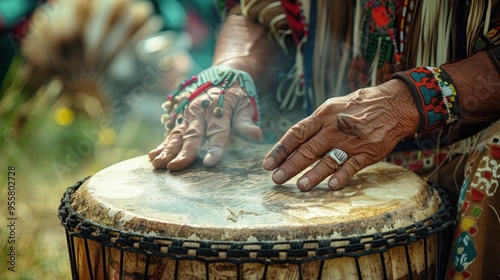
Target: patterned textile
295 19
333 60
435 95
475 249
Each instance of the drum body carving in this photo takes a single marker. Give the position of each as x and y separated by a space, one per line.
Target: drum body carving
130 221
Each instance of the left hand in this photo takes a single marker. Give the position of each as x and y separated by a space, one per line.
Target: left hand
366 124
200 127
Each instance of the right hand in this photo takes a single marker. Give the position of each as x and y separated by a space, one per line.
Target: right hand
200 127
366 124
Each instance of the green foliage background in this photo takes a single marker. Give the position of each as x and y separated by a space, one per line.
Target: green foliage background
49 155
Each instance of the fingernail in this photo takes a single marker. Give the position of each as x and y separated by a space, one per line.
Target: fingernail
332 184
208 161
305 183
268 162
279 175
208 158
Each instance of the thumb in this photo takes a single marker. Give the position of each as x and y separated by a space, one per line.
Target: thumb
243 122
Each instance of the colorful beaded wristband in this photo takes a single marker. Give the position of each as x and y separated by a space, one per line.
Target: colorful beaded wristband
190 88
435 95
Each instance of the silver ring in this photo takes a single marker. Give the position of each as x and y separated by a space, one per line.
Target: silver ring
338 155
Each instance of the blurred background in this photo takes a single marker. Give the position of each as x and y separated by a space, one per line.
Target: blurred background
81 87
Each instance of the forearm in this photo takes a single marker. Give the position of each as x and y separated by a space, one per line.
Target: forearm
244 45
465 91
477 82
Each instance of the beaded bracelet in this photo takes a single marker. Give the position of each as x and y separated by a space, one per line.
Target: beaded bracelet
190 88
436 97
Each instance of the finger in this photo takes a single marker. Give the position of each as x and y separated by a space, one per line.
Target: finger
219 128
243 123
305 155
345 172
295 136
192 140
169 149
248 131
325 167
213 156
218 133
156 151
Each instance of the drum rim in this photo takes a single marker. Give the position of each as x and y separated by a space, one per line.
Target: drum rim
183 248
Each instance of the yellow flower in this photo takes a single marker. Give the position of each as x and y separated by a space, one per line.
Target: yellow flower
64 116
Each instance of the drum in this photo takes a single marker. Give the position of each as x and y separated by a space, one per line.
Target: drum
129 221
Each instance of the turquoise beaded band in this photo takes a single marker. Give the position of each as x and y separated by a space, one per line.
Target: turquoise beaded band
179 99
435 96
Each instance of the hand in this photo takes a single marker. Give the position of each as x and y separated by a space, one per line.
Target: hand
200 126
366 124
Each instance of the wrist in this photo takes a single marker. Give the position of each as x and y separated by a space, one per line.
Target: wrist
405 108
243 45
215 76
434 94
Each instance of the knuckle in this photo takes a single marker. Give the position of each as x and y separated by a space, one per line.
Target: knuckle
317 174
236 90
193 132
218 139
218 126
329 161
189 153
307 151
280 150
292 168
330 165
351 166
298 132
176 133
169 150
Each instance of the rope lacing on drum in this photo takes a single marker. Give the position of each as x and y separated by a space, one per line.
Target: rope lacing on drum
298 251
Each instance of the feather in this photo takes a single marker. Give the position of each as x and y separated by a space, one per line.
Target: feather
77 41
